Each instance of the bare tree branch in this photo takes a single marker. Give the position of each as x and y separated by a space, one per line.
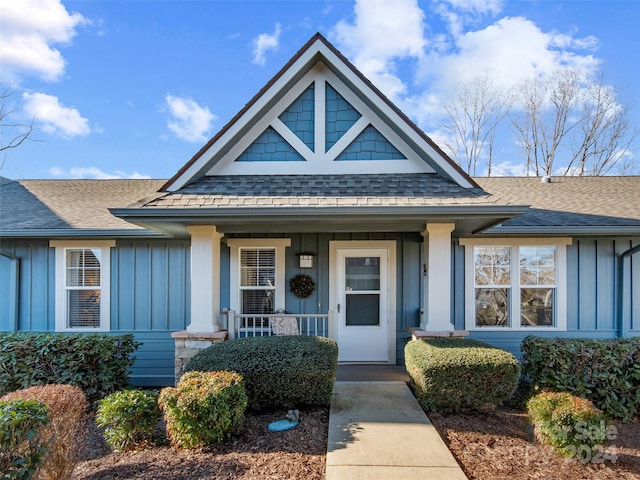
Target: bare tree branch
12 134
605 136
546 119
472 118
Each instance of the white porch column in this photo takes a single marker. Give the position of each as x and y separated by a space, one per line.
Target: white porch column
437 285
205 279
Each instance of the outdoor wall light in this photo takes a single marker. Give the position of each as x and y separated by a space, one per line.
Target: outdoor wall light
306 260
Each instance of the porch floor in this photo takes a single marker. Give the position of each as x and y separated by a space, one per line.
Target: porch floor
371 373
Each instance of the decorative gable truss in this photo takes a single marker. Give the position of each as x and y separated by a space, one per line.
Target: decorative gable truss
318 115
325 128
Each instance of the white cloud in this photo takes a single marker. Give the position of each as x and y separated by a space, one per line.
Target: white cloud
92 173
381 33
30 29
265 42
512 49
477 6
54 117
189 120
508 169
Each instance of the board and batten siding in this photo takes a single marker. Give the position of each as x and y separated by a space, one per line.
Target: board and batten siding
32 307
592 269
408 275
149 297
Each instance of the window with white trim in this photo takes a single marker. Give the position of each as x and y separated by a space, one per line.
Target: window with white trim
515 284
257 276
82 285
257 280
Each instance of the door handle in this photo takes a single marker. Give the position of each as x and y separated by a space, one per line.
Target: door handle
338 308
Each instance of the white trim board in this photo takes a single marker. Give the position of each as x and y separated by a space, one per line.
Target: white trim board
561 282
391 247
61 247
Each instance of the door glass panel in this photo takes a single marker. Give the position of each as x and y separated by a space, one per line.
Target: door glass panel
362 310
362 273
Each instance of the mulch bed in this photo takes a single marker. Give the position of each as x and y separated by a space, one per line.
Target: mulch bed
500 445
489 446
256 453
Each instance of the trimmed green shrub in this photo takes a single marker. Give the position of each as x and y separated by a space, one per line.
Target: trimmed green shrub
96 363
607 372
278 372
453 374
64 433
22 448
205 408
129 418
570 424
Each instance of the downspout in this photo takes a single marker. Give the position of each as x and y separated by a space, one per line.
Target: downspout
620 299
13 286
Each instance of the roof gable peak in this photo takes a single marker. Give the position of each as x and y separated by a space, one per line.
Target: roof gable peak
318 115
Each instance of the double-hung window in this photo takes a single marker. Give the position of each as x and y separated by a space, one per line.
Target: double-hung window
82 285
515 284
257 280
257 274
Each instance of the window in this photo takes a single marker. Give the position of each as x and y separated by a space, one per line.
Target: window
537 285
257 274
82 285
492 272
257 280
515 284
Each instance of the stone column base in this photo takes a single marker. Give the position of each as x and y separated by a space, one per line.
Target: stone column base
190 343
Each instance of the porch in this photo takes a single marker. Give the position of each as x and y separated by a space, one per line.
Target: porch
279 323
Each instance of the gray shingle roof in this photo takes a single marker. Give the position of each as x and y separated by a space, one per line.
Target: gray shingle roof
69 204
580 202
569 201
320 190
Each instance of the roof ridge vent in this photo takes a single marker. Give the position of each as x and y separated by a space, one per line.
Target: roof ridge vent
546 179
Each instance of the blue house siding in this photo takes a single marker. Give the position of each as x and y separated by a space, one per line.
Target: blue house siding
150 294
408 275
591 294
36 286
149 297
269 147
300 115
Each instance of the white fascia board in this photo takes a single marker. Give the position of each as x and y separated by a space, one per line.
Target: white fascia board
314 54
319 162
360 85
247 117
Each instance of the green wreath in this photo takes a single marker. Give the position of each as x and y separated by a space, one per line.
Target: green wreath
302 285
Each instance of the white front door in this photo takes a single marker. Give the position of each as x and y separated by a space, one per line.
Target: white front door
365 330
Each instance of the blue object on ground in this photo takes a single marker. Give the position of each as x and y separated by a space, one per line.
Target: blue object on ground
281 425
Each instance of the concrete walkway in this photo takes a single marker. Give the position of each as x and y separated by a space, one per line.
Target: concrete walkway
377 431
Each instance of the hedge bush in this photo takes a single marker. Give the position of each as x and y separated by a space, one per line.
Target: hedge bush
570 424
453 374
607 372
278 372
129 418
64 433
21 447
205 408
96 363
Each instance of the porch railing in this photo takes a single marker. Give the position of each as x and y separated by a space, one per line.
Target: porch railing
260 325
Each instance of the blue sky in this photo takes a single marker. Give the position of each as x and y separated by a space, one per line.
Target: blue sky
121 89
